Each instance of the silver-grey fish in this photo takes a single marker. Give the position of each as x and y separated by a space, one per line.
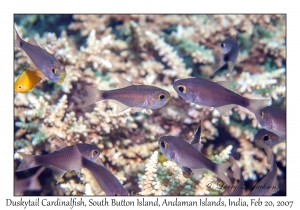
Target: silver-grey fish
227 52
138 97
42 60
266 137
65 159
185 154
212 94
273 119
106 180
31 183
269 184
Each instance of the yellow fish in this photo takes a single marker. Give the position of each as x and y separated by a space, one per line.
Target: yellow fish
27 80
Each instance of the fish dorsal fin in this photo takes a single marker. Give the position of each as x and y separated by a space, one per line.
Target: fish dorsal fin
197 136
59 173
196 140
198 146
57 144
33 41
225 84
123 82
225 110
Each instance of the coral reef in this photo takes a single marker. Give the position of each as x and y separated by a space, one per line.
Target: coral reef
154 50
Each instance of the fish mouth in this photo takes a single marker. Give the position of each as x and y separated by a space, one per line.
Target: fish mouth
62 77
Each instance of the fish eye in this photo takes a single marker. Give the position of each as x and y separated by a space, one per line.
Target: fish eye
266 137
262 114
164 144
20 86
54 70
161 97
181 88
94 153
223 44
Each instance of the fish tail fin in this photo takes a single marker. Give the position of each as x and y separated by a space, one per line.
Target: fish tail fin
93 95
221 170
255 105
27 162
18 40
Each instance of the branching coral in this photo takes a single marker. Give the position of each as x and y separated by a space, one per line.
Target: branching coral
154 50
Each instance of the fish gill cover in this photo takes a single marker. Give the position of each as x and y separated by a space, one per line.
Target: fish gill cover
153 50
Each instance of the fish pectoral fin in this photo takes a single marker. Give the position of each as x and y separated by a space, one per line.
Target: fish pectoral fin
120 107
225 110
199 172
57 144
123 82
59 173
136 109
31 66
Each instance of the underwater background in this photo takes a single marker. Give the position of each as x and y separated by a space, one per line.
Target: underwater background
154 50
